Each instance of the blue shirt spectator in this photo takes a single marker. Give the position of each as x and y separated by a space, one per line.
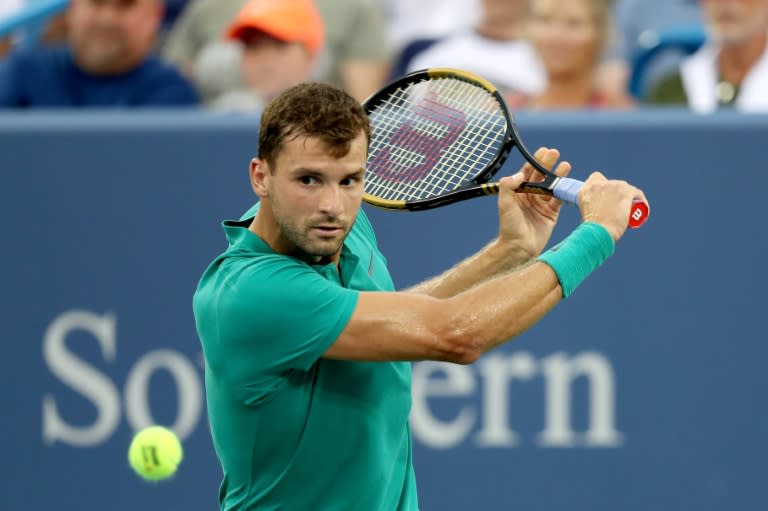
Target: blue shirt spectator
48 77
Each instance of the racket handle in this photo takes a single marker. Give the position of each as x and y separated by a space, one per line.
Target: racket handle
567 190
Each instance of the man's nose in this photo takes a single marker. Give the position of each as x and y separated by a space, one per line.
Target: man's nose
331 200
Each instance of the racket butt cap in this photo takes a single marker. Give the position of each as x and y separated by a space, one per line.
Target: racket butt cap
638 214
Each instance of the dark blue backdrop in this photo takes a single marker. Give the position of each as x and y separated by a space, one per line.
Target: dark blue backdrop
645 390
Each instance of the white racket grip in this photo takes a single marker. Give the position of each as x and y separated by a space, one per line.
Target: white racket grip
567 190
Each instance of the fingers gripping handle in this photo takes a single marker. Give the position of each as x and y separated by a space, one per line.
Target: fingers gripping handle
567 190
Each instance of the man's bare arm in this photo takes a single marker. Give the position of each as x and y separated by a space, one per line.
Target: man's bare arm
412 326
522 236
494 259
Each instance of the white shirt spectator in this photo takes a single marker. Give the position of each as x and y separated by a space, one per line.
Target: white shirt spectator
10 7
512 66
422 19
700 80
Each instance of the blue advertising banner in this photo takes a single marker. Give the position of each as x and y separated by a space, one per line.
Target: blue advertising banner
644 390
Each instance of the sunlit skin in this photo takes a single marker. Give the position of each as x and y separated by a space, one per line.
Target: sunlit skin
501 19
110 37
735 21
569 37
739 27
566 36
270 66
309 199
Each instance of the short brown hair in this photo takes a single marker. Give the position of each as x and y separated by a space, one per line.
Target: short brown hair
315 110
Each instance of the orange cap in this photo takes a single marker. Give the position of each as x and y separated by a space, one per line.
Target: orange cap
295 21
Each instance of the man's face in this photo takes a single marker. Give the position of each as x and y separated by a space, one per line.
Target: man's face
112 36
314 197
271 66
734 21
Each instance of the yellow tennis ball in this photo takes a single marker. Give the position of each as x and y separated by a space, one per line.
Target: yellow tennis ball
155 452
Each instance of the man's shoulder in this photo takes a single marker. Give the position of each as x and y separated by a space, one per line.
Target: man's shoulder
166 83
362 237
33 74
247 274
156 67
363 224
36 56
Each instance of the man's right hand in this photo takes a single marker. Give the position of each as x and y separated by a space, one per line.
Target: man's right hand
608 203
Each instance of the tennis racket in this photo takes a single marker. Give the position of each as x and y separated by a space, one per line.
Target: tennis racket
439 135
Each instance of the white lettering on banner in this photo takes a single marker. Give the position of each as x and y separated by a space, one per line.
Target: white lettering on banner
559 371
486 422
190 391
458 382
81 378
99 389
496 371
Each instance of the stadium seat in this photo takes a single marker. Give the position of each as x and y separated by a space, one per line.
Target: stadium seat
652 45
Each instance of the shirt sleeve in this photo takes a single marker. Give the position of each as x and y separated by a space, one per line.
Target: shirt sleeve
277 315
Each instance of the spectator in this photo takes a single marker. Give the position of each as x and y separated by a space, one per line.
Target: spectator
428 19
495 49
637 20
281 41
731 70
569 37
107 63
356 54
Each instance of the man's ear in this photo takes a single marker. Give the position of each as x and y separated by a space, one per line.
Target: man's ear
259 172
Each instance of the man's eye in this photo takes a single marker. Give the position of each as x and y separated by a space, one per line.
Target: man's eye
307 180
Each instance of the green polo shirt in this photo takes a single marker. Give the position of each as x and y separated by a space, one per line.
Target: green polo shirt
292 430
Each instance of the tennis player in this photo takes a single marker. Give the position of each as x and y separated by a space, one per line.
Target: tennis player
307 345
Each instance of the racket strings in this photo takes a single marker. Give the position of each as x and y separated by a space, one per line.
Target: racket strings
473 152
432 137
414 148
447 175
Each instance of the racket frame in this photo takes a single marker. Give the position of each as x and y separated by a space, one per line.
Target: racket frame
478 185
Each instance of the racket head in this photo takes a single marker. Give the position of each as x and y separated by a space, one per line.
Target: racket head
433 132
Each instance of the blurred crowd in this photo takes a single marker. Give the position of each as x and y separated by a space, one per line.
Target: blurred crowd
236 55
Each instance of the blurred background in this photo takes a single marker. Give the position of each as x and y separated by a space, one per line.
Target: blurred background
126 128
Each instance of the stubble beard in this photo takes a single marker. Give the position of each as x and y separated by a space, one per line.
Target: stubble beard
307 243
